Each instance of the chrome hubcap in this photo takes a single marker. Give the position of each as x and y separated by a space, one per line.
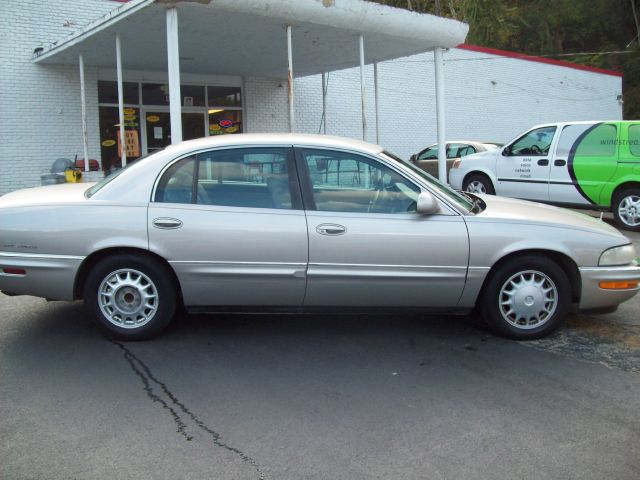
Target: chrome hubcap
629 210
528 299
476 187
128 298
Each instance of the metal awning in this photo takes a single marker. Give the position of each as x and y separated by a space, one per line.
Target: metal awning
261 38
247 37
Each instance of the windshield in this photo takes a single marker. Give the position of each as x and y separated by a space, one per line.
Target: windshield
92 190
459 199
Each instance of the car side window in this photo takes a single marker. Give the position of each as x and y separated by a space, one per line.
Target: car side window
588 140
634 140
428 154
244 177
459 150
176 184
345 182
535 143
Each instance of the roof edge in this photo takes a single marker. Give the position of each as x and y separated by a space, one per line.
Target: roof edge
533 58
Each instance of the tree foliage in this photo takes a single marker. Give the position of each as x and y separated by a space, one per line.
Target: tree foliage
580 31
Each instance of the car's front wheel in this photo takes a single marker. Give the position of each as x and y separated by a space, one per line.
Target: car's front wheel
132 297
526 298
626 209
478 183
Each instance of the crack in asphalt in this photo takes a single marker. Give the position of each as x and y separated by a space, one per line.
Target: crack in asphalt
143 372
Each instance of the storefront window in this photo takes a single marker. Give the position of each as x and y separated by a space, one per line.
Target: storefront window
110 142
192 95
155 94
108 92
224 96
224 121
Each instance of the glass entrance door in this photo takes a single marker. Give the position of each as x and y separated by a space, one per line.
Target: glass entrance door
158 128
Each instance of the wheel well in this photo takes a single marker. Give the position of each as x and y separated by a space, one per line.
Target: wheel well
476 172
566 263
97 256
621 187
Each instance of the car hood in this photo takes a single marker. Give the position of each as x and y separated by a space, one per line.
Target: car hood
52 194
521 211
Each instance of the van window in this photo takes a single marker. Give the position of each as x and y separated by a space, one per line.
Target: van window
599 142
535 143
634 140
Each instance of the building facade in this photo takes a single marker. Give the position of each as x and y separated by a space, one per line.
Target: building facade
489 96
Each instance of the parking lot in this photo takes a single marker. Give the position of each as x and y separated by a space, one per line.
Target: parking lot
290 397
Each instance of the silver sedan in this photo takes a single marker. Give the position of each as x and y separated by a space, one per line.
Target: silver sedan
303 222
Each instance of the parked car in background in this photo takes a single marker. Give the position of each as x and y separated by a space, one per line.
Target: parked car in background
427 159
593 165
265 222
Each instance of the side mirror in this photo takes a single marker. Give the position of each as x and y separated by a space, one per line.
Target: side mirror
427 204
413 158
506 151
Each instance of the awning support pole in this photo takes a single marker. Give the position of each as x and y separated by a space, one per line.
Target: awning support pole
123 138
173 71
324 103
290 80
440 118
375 88
362 89
83 104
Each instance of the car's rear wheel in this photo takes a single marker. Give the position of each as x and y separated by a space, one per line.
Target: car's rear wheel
478 183
626 209
526 298
132 297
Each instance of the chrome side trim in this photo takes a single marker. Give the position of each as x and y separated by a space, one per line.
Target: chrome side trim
40 256
372 265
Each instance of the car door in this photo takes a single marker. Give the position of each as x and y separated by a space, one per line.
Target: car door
523 167
586 158
367 246
231 224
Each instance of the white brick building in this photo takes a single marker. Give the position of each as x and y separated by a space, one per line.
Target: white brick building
490 96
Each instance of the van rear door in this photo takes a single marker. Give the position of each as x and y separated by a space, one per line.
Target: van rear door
585 159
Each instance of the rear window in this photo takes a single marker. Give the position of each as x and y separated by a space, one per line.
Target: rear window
634 140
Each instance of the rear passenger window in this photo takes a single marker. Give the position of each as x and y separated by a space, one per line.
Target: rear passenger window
634 140
586 141
599 142
176 185
244 177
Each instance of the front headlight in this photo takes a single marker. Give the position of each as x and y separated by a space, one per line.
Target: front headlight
617 256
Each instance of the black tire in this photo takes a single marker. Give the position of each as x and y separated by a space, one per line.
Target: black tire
498 290
628 194
148 278
478 179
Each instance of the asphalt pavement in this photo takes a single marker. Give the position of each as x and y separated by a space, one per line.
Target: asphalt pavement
315 397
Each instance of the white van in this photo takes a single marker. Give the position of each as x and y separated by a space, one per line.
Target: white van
593 165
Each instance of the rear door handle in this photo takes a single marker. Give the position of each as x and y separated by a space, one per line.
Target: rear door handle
544 162
560 163
331 229
167 223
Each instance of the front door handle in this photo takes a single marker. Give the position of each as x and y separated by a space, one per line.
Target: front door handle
544 162
167 223
559 163
331 229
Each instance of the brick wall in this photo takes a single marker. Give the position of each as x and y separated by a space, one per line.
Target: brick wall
40 105
488 97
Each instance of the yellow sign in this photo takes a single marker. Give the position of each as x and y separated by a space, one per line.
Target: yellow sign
232 129
153 118
214 127
108 143
129 118
129 111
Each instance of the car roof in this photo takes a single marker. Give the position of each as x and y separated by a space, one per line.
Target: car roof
263 139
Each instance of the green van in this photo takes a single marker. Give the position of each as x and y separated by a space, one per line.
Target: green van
592 165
